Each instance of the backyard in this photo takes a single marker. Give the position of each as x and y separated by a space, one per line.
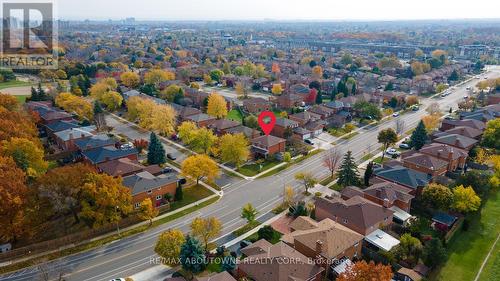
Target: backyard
468 249
235 115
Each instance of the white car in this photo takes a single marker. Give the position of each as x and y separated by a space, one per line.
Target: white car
468 88
118 279
395 114
392 151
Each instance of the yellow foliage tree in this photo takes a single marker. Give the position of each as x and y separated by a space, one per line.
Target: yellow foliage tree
277 89
217 106
130 79
163 119
186 131
147 210
157 76
234 148
431 122
317 72
27 155
112 100
169 246
75 104
465 199
206 229
200 166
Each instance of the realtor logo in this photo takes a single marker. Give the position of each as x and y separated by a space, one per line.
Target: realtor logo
29 36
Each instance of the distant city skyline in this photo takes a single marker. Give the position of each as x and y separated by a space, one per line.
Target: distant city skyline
321 10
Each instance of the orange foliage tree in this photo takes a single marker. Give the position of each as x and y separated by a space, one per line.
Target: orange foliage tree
362 271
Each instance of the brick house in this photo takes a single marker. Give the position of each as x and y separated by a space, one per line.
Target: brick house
284 127
424 163
302 118
323 111
94 141
414 180
288 101
146 185
108 153
457 141
327 239
201 119
247 131
60 125
455 157
384 193
265 146
356 213
125 167
262 263
221 126
256 105
65 140
450 124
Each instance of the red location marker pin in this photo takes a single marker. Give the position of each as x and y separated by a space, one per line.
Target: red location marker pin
266 121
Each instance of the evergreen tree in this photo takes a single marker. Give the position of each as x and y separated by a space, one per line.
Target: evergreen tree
389 87
156 152
41 92
419 136
454 76
179 193
348 172
319 98
353 89
229 262
434 253
368 173
192 256
34 95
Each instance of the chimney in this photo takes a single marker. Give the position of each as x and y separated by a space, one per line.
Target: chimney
319 247
450 154
386 203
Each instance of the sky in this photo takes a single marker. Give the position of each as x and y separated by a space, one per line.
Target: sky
278 9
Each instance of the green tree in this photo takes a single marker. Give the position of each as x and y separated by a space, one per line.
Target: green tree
216 75
192 256
437 196
389 87
156 152
454 76
434 254
266 232
229 263
249 213
409 249
491 135
368 173
348 171
419 136
179 195
307 179
387 137
251 121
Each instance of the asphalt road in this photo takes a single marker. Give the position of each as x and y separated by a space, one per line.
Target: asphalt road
132 255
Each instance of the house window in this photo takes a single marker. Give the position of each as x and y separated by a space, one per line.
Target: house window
356 245
137 205
149 191
158 197
344 220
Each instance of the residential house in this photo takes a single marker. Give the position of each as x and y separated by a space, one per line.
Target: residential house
256 105
469 132
302 118
108 153
323 111
450 124
247 131
221 276
478 114
146 185
384 193
414 180
356 213
185 111
424 163
284 127
455 157
134 93
287 101
269 145
262 263
65 140
123 167
201 119
326 239
60 125
94 141
457 141
221 126
493 99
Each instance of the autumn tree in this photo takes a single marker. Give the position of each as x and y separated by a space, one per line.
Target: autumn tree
387 138
99 118
171 93
203 140
217 106
409 249
169 245
112 100
147 211
186 132
241 90
234 148
465 199
15 124
431 122
28 156
411 100
75 104
331 160
200 166
206 229
157 76
249 213
130 79
8 102
62 188
105 200
163 119
307 179
361 271
437 196
14 193
491 135
289 196
277 89
317 72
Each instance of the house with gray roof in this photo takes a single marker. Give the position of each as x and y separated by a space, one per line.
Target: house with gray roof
94 141
108 153
146 185
65 139
409 178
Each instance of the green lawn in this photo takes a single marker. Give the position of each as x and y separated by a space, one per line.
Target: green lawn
235 115
467 250
251 170
246 228
14 83
21 99
191 194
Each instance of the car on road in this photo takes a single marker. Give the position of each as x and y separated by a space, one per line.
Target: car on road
468 88
167 170
392 151
170 156
395 114
309 142
466 97
404 146
415 107
118 279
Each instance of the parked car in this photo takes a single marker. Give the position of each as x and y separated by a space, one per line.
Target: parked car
308 141
167 170
448 117
468 88
118 279
404 146
392 151
128 145
395 114
415 107
170 156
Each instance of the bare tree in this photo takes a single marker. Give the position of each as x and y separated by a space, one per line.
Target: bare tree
400 126
332 159
433 108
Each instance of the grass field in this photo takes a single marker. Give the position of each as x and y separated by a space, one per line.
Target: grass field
191 194
251 170
21 99
235 115
468 249
14 83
